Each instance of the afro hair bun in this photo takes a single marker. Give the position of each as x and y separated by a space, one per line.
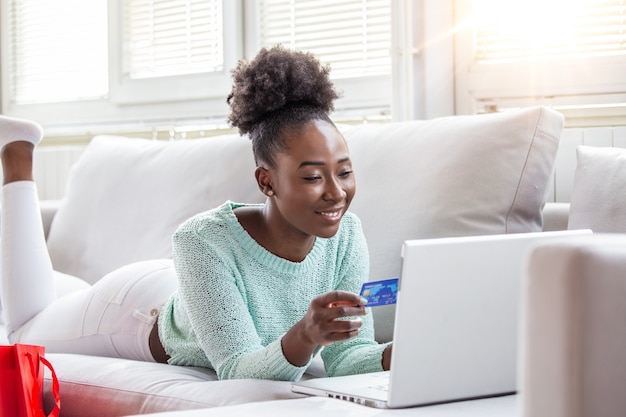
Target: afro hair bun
274 79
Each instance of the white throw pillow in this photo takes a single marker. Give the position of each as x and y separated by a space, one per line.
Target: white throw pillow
125 197
452 176
599 193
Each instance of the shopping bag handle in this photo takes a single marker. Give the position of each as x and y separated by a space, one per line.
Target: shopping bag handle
36 393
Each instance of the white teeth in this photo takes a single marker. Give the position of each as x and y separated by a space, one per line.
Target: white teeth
331 214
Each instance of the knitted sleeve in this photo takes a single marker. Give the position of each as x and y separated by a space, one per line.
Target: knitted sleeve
217 310
361 354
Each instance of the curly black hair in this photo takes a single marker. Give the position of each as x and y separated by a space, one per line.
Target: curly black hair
278 91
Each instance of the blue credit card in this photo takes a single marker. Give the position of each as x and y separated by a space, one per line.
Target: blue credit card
380 293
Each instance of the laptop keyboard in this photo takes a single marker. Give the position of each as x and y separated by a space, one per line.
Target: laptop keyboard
381 387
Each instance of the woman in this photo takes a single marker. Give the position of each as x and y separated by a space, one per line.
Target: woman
260 287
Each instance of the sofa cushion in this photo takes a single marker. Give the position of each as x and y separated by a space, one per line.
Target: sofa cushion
599 193
452 176
125 197
109 387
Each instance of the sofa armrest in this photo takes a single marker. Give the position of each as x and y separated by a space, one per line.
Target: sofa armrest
48 210
573 356
555 216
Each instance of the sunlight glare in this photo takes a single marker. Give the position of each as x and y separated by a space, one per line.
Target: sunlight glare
533 25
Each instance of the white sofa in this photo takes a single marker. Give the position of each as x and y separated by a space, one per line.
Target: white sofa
454 176
573 353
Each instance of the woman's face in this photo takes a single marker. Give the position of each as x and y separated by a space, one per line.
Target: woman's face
313 182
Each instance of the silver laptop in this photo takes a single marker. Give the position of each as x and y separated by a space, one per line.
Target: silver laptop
456 324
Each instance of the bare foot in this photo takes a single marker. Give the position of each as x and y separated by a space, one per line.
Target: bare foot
18 138
17 161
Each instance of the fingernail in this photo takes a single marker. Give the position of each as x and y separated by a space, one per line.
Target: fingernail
363 300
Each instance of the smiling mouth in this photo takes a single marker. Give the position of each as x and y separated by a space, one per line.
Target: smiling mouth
336 214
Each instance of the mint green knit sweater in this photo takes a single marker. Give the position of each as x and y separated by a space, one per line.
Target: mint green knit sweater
236 300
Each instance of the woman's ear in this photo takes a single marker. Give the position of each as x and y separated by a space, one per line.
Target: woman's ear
264 181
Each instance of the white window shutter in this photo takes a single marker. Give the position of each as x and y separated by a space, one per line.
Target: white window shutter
353 36
569 54
176 51
58 59
568 29
172 37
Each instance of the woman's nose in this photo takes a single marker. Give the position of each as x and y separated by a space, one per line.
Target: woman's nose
334 191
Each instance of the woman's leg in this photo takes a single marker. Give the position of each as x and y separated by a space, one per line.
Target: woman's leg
114 318
27 285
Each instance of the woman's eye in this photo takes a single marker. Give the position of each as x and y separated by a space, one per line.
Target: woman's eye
345 174
312 178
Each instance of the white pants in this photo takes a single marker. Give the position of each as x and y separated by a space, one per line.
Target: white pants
113 318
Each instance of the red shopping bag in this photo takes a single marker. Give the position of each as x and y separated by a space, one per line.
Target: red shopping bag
21 382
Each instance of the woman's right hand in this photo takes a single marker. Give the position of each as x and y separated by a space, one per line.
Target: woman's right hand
325 322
